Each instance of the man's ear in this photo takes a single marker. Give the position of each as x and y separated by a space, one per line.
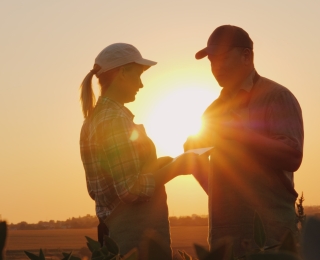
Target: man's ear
247 56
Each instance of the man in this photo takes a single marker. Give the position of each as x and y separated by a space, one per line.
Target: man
256 129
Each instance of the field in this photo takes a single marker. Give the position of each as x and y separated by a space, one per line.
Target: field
56 241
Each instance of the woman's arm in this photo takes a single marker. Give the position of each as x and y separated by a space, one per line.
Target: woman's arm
122 161
183 165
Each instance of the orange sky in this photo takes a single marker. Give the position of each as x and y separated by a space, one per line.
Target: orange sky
47 47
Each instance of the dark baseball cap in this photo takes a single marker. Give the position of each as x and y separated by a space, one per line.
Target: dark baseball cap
223 39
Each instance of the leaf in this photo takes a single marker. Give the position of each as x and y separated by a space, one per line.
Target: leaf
74 258
218 253
96 253
180 252
201 252
273 256
111 245
101 257
116 257
271 247
258 232
221 249
41 255
104 250
31 255
187 256
92 244
288 243
66 255
70 256
155 251
131 255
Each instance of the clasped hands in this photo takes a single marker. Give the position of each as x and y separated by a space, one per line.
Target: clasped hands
184 164
227 127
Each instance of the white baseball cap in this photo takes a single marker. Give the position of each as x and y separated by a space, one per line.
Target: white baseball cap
119 54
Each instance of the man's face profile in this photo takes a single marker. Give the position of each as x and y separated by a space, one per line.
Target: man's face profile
226 67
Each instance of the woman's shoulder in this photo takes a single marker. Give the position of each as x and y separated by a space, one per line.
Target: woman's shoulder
108 109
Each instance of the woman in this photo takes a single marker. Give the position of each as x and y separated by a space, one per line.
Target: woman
123 174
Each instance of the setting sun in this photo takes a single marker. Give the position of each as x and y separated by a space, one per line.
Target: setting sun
176 116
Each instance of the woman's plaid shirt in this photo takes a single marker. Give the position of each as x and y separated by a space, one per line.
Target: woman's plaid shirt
113 151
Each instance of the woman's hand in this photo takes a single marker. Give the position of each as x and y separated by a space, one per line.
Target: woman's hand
162 161
156 164
186 163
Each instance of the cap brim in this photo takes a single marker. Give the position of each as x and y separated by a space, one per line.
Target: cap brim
146 63
212 50
201 54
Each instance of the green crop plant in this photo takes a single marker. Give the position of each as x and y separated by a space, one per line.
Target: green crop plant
109 251
301 217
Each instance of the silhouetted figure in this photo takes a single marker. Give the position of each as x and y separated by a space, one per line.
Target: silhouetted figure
256 128
123 174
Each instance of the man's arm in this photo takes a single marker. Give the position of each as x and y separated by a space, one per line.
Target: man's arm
202 173
273 151
283 147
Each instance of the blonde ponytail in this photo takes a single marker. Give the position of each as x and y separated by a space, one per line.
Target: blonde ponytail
87 98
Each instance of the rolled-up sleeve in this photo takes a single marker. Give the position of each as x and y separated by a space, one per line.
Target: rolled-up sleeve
285 122
123 162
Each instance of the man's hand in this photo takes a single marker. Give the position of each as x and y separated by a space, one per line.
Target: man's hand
202 172
189 144
194 142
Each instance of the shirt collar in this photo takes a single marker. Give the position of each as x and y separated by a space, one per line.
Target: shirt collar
106 101
247 84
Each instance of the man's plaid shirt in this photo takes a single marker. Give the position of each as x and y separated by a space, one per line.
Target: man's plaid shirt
113 151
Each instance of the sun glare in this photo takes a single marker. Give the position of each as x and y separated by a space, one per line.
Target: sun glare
175 116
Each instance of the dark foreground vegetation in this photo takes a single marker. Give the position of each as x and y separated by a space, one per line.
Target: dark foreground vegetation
307 248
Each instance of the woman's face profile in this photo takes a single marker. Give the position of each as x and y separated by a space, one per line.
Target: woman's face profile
132 81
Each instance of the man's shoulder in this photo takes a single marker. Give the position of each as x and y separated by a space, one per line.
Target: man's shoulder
267 89
270 86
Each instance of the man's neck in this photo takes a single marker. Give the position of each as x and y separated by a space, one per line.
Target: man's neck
234 87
